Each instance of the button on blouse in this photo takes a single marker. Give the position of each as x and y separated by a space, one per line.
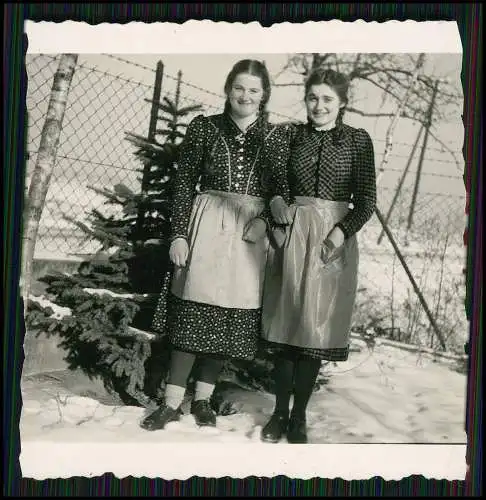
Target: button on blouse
342 170
219 156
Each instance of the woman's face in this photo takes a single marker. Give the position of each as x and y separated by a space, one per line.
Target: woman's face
245 95
323 105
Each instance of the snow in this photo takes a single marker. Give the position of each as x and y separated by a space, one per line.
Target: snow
59 312
383 396
105 291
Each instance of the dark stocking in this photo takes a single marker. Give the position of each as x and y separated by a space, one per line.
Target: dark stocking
209 370
284 377
181 364
306 371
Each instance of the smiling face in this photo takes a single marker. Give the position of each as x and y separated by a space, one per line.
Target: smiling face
323 105
245 95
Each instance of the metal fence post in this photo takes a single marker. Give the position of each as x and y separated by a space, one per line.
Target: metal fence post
422 154
412 280
400 183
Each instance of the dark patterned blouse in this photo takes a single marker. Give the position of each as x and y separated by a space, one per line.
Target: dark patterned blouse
219 156
337 170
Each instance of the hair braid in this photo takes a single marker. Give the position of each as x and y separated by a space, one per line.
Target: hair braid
338 131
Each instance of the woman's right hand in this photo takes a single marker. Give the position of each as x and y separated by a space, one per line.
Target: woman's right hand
280 211
178 252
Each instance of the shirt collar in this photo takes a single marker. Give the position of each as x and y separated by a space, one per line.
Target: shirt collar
234 127
313 128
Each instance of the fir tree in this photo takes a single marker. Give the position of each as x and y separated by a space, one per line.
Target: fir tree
113 295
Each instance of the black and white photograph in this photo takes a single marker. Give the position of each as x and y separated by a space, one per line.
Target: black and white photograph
243 248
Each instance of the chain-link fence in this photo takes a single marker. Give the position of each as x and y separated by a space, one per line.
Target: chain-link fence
93 151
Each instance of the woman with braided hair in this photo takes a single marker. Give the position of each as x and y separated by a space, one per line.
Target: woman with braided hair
311 281
219 240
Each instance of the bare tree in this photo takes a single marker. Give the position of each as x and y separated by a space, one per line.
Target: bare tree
390 73
46 156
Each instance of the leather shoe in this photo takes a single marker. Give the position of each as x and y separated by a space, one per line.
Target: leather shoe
275 428
160 417
203 413
297 430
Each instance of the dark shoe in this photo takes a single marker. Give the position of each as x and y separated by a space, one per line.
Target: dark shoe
203 413
275 428
297 431
160 417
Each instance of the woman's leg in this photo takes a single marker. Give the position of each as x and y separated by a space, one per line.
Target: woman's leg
181 364
306 372
284 379
209 370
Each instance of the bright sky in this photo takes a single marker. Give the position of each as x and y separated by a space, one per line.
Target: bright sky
103 105
209 71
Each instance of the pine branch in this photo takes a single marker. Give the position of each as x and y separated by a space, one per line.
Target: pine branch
107 194
143 142
123 191
171 134
188 110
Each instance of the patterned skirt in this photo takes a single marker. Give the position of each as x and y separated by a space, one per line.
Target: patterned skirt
212 306
308 306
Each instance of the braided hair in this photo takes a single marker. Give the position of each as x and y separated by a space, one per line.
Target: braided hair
254 68
340 84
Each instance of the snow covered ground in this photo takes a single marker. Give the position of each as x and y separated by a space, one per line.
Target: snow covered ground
386 396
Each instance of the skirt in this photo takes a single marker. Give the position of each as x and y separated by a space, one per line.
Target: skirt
308 306
212 306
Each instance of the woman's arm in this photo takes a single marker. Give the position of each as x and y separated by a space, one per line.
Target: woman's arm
280 150
191 156
364 186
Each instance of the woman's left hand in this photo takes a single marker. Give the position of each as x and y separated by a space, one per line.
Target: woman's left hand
336 236
332 243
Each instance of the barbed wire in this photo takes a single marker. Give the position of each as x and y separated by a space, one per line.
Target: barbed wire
126 61
428 174
103 105
107 73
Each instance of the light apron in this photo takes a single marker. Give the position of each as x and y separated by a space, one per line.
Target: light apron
308 304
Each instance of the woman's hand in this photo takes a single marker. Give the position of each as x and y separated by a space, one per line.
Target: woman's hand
332 243
336 236
279 236
178 252
153 241
280 211
255 230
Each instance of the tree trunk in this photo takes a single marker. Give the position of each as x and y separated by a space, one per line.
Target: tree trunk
401 106
44 166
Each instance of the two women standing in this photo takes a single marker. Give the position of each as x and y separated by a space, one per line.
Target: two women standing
230 283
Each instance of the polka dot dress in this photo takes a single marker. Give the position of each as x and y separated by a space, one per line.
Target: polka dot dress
218 156
207 329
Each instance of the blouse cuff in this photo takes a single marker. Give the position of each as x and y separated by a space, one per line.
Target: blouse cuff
277 196
343 229
177 236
